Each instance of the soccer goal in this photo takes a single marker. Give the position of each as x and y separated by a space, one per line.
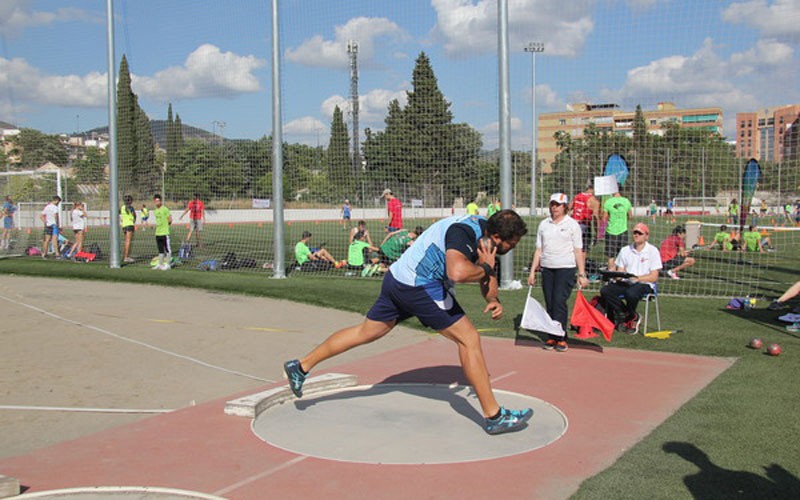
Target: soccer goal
699 205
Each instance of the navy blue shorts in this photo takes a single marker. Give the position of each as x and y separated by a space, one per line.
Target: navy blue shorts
434 305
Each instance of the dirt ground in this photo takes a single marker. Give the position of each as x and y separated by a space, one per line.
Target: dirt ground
69 345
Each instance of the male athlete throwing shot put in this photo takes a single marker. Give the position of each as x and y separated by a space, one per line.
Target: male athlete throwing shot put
421 284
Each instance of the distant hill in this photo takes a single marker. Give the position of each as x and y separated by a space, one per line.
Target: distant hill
159 130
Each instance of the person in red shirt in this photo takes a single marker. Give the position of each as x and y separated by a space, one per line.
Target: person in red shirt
197 217
395 211
585 209
674 256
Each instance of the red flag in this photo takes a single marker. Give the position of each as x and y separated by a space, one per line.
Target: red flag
586 318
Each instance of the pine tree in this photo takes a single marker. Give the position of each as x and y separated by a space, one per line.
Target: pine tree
420 144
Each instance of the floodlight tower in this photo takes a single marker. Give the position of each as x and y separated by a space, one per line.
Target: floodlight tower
352 49
534 48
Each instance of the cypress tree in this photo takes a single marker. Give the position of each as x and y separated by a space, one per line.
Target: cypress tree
138 173
339 162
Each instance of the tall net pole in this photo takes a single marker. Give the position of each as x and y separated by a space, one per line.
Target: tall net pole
279 270
506 261
113 196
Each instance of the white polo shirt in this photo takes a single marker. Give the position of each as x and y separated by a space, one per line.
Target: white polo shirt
558 242
639 263
50 213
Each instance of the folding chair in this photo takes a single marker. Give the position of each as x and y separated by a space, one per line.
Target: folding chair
651 297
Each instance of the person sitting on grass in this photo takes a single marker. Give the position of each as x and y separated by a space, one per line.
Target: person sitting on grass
754 242
396 242
313 259
674 256
363 257
722 240
361 227
621 296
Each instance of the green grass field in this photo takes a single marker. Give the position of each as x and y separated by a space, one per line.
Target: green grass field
740 429
718 274
740 432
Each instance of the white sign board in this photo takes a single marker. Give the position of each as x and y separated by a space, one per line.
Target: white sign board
606 184
261 202
416 203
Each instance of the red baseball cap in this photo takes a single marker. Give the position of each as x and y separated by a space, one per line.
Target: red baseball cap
642 227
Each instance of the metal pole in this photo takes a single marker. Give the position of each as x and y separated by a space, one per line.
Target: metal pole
703 180
278 265
506 261
533 48
113 171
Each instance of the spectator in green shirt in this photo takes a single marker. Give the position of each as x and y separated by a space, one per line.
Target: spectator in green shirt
163 220
396 242
308 258
362 256
722 240
493 208
754 242
616 211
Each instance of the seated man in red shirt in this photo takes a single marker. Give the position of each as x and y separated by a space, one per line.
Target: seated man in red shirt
674 256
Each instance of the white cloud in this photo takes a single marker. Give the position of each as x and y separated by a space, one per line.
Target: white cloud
546 98
372 107
765 54
319 52
777 19
704 79
307 130
466 27
519 136
207 72
22 82
17 15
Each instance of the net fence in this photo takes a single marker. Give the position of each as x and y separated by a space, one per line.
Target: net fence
394 95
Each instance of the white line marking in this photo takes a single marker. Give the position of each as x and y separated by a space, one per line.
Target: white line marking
501 377
260 475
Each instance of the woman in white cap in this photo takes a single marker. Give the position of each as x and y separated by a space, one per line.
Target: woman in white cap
559 252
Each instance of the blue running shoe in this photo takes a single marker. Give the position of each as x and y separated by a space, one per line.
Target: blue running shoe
508 421
296 376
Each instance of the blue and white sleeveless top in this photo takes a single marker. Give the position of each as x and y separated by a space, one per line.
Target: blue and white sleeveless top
424 261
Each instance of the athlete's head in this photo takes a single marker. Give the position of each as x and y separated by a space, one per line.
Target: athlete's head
506 228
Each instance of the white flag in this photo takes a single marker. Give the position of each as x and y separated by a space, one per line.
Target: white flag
536 318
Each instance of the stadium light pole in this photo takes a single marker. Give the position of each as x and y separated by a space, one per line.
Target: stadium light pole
533 48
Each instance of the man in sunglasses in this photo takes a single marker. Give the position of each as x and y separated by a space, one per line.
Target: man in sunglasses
621 296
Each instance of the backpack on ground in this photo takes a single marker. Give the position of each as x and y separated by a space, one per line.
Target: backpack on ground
229 261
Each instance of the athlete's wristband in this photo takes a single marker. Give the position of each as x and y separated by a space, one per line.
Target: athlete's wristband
488 270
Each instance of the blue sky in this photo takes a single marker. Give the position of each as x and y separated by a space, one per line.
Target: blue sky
211 59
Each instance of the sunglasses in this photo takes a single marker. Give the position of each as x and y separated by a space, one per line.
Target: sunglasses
638 232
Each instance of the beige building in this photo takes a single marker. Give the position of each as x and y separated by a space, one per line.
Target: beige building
610 118
761 134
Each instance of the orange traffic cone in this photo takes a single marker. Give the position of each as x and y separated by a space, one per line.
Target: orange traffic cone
701 241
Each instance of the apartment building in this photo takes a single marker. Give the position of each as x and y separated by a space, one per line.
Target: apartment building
609 117
762 134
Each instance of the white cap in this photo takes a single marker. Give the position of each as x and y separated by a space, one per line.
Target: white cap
559 198
386 191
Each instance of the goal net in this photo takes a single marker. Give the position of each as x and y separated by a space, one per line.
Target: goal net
405 96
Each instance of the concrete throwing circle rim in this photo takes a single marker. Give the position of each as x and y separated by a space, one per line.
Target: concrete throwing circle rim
119 492
403 424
